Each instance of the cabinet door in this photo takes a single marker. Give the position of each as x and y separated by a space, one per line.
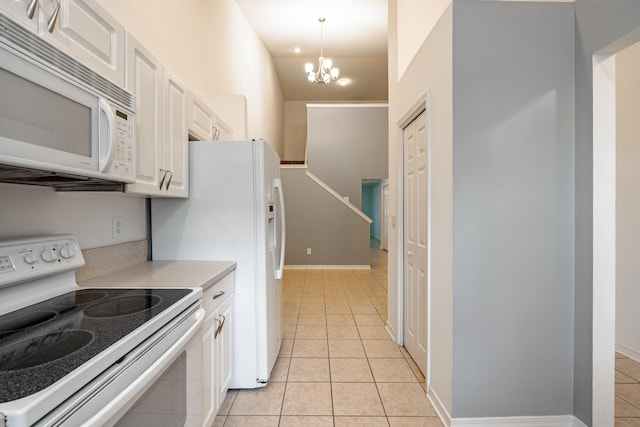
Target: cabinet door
19 10
176 139
224 351
144 80
85 31
200 119
223 131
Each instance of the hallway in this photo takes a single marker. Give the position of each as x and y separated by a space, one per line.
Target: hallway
337 365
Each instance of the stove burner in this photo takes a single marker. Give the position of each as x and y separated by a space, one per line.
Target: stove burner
15 321
42 349
79 298
123 305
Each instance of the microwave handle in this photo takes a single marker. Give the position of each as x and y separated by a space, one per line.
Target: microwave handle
107 112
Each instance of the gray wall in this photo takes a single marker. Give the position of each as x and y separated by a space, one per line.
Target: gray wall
346 143
598 24
513 209
317 220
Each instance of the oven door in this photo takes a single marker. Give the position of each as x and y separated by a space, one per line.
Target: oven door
157 384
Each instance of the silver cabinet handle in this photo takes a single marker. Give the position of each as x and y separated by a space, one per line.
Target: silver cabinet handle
169 181
218 295
51 23
219 328
164 175
31 8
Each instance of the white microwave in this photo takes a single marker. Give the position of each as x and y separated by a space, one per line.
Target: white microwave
59 118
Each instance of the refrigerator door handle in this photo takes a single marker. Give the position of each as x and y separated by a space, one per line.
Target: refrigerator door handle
278 184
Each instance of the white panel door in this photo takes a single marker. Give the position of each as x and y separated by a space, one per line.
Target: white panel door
415 240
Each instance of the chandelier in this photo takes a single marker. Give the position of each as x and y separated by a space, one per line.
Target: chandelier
326 73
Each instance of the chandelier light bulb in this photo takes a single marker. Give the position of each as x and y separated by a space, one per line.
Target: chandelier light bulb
326 73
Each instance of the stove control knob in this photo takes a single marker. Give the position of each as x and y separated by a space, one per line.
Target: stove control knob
48 255
66 251
30 258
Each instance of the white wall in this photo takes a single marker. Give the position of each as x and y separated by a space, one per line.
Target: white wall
212 47
430 69
628 201
418 17
30 210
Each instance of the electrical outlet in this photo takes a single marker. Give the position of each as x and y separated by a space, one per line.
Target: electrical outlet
116 227
308 251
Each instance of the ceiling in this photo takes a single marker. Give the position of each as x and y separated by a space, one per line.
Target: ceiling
355 38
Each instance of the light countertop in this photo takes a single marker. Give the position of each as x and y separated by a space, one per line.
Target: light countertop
165 274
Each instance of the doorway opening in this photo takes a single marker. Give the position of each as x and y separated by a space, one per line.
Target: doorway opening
616 231
372 207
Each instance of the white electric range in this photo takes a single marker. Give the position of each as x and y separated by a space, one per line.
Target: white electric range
74 356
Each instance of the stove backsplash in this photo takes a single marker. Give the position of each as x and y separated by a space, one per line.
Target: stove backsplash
107 259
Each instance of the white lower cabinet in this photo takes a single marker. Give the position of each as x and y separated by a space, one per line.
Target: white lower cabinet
217 347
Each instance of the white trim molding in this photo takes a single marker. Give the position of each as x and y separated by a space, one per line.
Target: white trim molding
439 407
629 352
327 267
547 421
331 191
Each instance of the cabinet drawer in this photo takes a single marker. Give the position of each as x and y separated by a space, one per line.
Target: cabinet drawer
218 293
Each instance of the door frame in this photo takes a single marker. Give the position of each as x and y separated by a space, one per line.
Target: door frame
604 238
423 104
384 210
604 228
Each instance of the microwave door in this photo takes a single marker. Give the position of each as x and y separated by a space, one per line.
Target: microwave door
46 122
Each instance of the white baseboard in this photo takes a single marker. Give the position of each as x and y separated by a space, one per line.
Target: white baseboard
549 421
391 331
630 352
327 267
437 404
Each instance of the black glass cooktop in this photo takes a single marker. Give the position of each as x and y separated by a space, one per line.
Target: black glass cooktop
42 343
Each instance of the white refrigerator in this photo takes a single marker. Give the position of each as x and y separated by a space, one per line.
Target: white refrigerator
235 211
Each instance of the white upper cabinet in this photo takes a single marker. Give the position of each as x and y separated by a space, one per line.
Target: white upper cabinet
200 119
144 78
22 11
176 141
161 125
223 131
80 28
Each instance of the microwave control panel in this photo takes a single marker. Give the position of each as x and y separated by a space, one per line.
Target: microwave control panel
122 165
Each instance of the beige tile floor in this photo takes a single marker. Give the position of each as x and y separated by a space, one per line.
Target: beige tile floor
337 365
627 410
